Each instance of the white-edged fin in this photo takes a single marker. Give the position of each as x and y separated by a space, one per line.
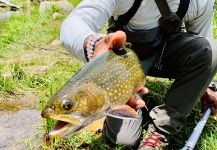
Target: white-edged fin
123 112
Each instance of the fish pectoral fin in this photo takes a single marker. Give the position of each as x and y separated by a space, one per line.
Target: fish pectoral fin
123 112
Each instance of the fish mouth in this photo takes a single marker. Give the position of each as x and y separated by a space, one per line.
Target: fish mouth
66 125
60 124
63 129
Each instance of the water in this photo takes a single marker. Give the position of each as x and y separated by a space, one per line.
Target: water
5 12
4 15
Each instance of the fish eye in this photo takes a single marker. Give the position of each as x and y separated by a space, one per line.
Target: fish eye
67 104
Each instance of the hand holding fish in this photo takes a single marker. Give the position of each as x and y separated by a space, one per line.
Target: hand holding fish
137 102
109 42
114 41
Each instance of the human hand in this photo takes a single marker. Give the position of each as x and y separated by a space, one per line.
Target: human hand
135 101
109 42
209 99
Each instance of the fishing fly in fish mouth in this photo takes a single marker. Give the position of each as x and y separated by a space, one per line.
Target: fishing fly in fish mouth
102 87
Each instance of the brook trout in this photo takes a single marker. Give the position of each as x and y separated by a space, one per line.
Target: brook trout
102 87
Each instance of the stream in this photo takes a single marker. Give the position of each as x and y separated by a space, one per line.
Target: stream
4 15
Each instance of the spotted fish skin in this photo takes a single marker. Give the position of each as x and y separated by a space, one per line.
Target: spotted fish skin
117 75
103 83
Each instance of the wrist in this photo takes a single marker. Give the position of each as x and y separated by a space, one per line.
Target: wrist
89 44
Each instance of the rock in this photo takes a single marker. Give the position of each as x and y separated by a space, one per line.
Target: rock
55 16
56 42
9 4
63 5
21 130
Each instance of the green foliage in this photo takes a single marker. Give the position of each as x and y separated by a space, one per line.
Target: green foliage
75 2
6 84
26 28
17 72
215 23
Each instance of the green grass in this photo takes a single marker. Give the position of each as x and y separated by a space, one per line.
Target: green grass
20 66
215 24
25 28
75 2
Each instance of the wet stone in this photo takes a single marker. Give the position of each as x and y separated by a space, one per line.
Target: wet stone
20 130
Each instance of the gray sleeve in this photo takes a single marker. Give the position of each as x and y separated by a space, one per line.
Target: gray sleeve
202 24
87 18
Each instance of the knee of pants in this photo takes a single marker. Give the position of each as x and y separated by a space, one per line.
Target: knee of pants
198 62
122 131
200 55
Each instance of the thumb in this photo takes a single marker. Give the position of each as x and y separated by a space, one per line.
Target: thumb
111 41
116 40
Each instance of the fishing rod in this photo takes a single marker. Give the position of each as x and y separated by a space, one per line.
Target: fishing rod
192 141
